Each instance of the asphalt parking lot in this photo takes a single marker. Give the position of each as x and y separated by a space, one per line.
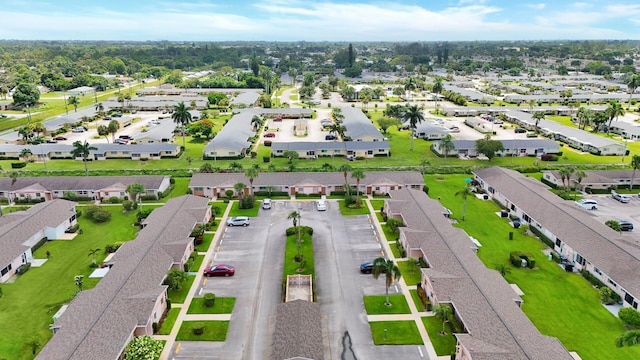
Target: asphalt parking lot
283 130
341 244
611 209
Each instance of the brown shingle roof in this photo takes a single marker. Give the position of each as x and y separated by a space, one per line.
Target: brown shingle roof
298 331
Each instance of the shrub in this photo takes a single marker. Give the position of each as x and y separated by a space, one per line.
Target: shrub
197 328
549 157
23 268
155 327
515 257
303 230
73 229
608 297
111 248
591 279
209 299
129 205
114 200
143 214
18 165
229 193
266 159
247 202
630 317
97 214
542 237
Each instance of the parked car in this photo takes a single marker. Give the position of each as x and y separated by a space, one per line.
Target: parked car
52 141
625 225
367 267
330 137
78 130
454 129
321 205
116 115
219 270
270 135
125 137
60 138
620 197
588 204
3 116
122 141
520 130
266 204
238 221
106 118
279 118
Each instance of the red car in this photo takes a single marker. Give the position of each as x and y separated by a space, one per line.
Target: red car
278 119
60 138
219 270
269 135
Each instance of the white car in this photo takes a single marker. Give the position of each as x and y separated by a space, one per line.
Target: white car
588 204
238 221
266 204
321 205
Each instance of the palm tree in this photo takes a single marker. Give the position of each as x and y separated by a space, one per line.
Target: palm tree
629 338
614 110
437 89
83 150
565 176
413 115
26 154
99 108
103 130
410 85
446 145
532 103
358 174
256 122
391 271
252 173
345 168
537 116
239 188
78 281
336 129
182 117
74 101
442 312
93 253
635 163
113 128
134 190
633 82
14 175
580 174
294 216
464 193
503 269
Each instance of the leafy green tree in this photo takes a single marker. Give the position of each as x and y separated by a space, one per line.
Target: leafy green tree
290 155
629 338
175 279
26 95
630 317
386 122
143 348
74 101
489 147
182 117
414 116
83 150
442 312
389 269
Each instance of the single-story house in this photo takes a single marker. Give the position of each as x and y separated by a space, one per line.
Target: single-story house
94 187
22 230
493 326
213 185
584 242
626 130
298 331
359 127
512 147
429 131
99 322
81 91
595 179
315 149
104 151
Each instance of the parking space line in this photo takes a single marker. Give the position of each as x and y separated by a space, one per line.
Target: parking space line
420 351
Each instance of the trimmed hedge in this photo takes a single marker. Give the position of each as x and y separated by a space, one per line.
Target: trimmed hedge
23 268
515 257
303 229
18 165
542 237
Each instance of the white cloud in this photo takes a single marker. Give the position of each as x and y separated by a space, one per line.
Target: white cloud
539 6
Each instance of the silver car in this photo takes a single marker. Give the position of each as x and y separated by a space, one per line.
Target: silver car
238 221
266 204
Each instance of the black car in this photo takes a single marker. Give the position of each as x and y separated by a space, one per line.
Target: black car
520 130
625 225
366 268
330 137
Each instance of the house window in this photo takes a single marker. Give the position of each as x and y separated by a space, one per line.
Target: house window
513 207
628 298
580 260
83 192
38 195
597 271
197 188
5 270
558 242
526 217
369 152
612 283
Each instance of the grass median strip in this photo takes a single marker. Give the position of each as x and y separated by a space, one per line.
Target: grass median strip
223 305
395 333
213 331
375 304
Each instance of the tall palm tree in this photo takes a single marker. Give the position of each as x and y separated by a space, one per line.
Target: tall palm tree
358 174
336 129
446 145
633 82
14 175
537 116
295 217
113 128
103 130
100 108
74 101
614 110
239 188
182 117
345 168
532 104
390 270
93 253
442 312
580 174
252 173
565 176
134 190
256 122
26 154
413 115
464 193
437 89
83 150
410 85
635 163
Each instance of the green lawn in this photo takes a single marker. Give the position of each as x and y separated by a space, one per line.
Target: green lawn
178 296
169 321
196 263
223 305
180 188
206 242
390 235
410 274
397 333
236 211
379 217
416 300
306 249
560 304
375 304
213 331
377 204
346 211
443 344
28 304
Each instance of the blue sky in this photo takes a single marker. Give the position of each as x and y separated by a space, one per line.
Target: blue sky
331 20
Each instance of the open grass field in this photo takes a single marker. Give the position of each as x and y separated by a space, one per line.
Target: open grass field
28 304
397 333
560 304
375 304
213 331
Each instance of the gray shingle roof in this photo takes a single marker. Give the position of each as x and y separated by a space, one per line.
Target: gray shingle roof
318 146
298 331
16 228
593 240
358 125
483 300
72 183
98 322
